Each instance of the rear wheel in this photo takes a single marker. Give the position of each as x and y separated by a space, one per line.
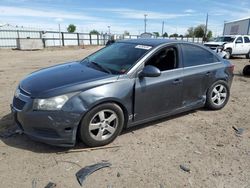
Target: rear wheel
246 70
217 95
102 125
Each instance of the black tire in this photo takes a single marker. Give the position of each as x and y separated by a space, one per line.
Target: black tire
87 135
210 102
248 55
229 52
246 70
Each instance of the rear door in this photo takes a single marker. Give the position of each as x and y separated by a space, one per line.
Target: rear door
197 73
246 45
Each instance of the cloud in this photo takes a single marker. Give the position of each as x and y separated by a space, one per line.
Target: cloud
189 11
139 14
28 12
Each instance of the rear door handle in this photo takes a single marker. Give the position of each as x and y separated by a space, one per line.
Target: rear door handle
177 81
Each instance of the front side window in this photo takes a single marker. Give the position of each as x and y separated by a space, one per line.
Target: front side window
247 40
195 55
239 40
117 58
165 59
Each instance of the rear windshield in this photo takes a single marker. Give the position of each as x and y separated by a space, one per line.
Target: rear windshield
118 57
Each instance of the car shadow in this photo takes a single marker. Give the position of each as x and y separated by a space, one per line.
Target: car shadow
24 142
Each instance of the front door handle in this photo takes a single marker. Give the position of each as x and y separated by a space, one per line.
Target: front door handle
177 81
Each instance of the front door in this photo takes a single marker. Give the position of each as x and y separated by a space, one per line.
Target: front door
160 95
238 46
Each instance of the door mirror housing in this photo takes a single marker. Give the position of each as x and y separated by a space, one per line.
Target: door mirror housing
150 71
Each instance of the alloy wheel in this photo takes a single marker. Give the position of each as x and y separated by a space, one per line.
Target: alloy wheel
103 125
219 94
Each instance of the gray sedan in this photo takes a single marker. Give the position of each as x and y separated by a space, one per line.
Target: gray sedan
122 85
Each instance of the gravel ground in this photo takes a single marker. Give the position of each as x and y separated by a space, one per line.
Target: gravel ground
150 155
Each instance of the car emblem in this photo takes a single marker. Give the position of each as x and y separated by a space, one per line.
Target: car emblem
17 93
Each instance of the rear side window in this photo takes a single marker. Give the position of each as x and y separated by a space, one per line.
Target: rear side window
195 55
247 40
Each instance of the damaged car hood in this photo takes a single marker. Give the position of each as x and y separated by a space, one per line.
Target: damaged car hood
42 82
214 43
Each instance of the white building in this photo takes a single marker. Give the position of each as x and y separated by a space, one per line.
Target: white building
237 27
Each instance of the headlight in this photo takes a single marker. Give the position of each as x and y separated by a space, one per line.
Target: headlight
54 103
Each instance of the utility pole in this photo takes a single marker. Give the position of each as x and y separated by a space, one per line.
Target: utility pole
162 29
145 23
205 33
109 29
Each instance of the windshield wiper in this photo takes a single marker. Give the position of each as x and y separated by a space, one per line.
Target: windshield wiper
101 67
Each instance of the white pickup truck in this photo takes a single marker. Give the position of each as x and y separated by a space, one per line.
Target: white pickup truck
232 45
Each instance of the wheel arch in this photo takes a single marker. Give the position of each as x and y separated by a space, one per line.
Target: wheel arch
108 100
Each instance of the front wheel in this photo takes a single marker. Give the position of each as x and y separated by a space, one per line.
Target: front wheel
228 53
248 55
217 95
101 125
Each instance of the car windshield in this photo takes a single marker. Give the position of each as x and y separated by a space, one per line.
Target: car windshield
224 39
117 58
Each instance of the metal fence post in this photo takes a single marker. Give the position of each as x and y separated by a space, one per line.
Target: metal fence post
90 39
62 39
97 39
78 40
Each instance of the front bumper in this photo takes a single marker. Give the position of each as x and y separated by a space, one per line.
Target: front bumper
51 127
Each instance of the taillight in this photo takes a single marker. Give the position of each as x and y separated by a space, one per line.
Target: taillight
231 68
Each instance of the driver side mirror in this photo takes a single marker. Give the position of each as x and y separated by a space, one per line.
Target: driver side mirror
150 71
238 41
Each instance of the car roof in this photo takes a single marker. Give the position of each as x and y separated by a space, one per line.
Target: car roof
149 42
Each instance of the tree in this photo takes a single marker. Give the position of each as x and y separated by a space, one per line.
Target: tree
156 34
71 28
174 35
126 33
199 31
190 32
209 34
94 32
165 34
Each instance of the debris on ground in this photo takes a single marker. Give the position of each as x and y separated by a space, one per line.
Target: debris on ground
219 145
198 152
88 149
86 171
184 168
118 174
34 183
238 131
50 185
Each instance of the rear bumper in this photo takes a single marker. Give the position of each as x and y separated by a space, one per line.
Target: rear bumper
55 128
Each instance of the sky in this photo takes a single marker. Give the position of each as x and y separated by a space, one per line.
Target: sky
178 15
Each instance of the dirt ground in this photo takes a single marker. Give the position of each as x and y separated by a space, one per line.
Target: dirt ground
150 155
